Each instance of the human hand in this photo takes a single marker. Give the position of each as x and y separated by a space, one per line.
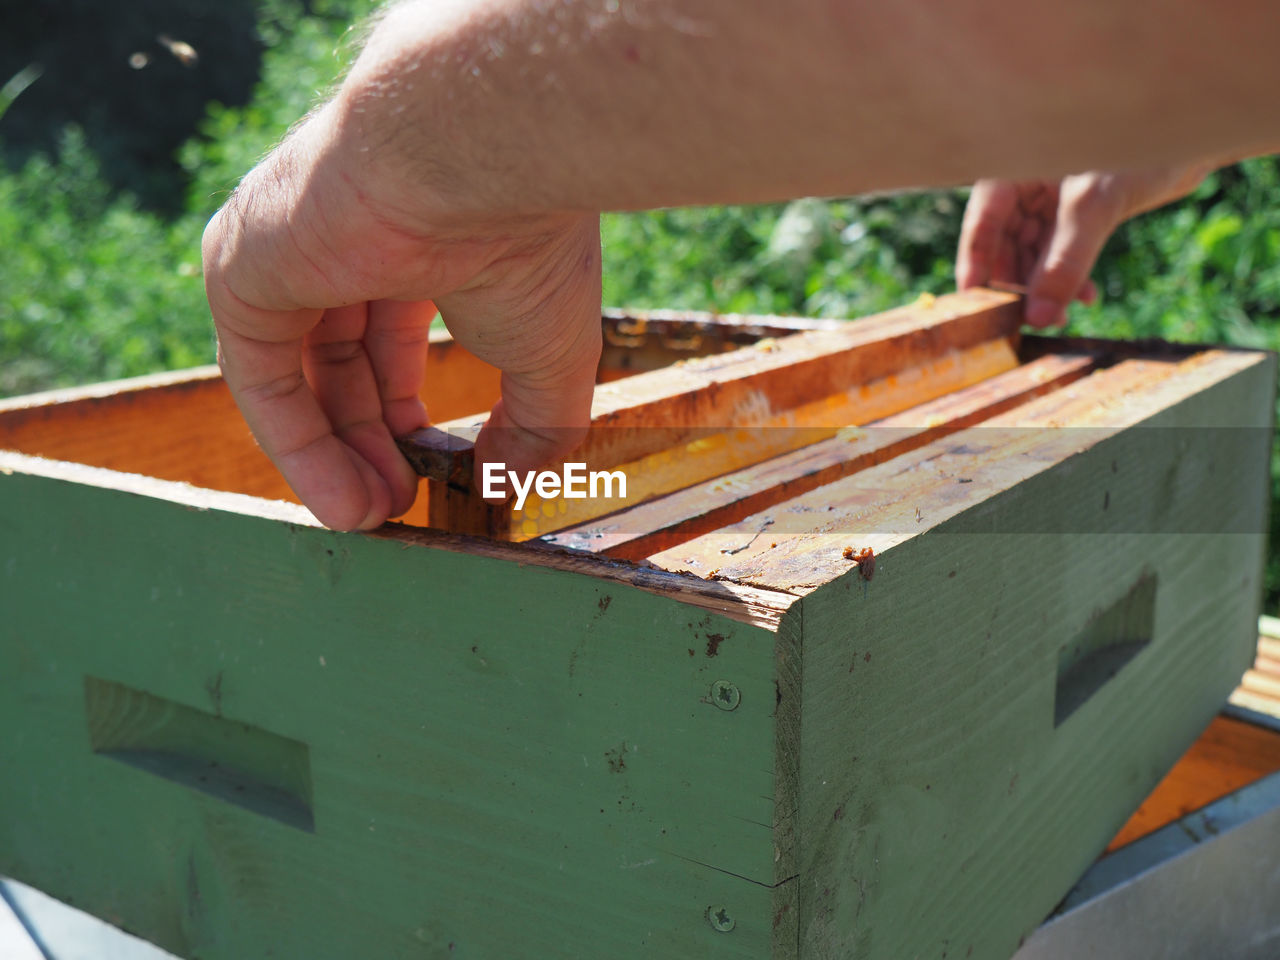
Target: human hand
323 274
1047 234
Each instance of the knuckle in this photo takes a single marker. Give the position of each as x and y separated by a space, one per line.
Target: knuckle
336 352
1091 200
275 389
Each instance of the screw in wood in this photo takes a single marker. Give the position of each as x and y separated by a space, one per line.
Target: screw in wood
725 695
719 918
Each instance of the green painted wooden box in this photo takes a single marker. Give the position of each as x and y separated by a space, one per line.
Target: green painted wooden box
240 735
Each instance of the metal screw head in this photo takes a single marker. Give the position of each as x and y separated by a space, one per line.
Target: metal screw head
725 695
719 918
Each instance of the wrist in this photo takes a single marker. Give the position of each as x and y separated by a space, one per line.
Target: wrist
1148 190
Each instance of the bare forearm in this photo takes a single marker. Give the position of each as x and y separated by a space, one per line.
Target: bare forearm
518 104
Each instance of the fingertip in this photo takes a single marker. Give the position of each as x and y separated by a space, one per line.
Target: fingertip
405 415
400 480
378 495
1041 313
344 492
985 216
505 445
501 487
404 499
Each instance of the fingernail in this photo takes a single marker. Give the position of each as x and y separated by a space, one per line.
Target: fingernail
1044 313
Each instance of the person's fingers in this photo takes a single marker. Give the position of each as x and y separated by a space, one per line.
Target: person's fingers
269 387
983 232
260 353
396 341
342 378
1088 211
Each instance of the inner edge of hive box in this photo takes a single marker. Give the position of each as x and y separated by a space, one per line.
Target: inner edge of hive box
747 604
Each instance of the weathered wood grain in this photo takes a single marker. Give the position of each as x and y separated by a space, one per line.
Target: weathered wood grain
674 427
659 524
800 544
744 603
161 426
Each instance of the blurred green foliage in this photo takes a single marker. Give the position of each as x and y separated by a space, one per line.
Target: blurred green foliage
93 286
830 258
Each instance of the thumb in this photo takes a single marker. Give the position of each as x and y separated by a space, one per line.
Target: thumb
987 216
539 419
1089 208
540 325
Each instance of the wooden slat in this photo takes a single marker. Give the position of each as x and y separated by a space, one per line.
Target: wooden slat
1259 688
660 524
1260 684
671 428
1268 655
747 604
801 542
636 341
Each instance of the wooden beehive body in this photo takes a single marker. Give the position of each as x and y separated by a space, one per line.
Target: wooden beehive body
681 731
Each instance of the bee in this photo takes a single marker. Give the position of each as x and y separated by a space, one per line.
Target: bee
182 51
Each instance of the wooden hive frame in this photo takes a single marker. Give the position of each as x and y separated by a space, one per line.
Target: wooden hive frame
706 725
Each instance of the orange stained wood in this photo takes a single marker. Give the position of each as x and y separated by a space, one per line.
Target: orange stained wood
184 426
175 426
757 384
798 544
658 524
714 453
1229 755
671 428
457 383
